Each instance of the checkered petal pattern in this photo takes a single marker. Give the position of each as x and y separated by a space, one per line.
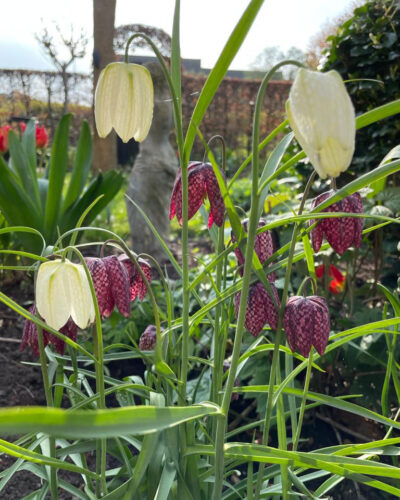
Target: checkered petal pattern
30 335
202 182
340 232
148 339
260 308
263 246
307 323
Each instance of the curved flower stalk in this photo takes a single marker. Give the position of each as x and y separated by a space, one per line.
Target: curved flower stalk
124 100
63 292
202 183
322 117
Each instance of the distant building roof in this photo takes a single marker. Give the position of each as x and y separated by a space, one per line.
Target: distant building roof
194 66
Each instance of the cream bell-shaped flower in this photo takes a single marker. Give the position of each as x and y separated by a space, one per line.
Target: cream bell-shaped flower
63 291
322 118
124 100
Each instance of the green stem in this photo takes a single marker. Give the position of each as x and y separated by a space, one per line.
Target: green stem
49 402
252 228
303 401
275 356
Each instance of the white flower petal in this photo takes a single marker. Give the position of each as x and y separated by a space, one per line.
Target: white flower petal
52 299
322 117
124 101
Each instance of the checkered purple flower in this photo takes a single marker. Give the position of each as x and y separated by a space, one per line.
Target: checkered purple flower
202 183
260 308
340 232
307 323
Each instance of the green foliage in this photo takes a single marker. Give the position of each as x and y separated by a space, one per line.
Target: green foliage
52 201
366 48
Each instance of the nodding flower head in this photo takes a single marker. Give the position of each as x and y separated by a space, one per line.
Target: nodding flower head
323 120
260 308
263 246
63 292
137 286
202 183
307 323
111 283
148 338
30 335
340 232
124 101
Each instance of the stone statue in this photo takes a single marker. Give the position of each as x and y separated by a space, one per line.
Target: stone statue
153 173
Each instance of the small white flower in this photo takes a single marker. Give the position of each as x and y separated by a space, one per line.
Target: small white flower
322 117
63 291
124 100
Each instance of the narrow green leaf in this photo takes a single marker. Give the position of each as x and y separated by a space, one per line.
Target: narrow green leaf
28 141
270 167
81 167
99 423
31 456
57 171
22 166
215 77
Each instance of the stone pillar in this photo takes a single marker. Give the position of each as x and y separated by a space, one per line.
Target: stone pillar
153 173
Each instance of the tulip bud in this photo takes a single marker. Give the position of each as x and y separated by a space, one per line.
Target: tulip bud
63 292
322 117
124 101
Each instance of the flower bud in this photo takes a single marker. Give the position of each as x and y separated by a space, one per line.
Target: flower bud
124 100
322 117
307 323
148 338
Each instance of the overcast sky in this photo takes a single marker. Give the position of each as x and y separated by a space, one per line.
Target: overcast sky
205 26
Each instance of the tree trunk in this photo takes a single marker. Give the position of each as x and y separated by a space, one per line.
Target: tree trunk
64 77
105 150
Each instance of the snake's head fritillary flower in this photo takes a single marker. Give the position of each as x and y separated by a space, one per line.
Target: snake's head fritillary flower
202 183
137 286
124 100
260 308
322 117
30 335
148 338
111 284
307 323
263 246
340 232
63 292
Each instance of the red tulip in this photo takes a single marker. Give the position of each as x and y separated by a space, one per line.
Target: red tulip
4 130
336 285
42 137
